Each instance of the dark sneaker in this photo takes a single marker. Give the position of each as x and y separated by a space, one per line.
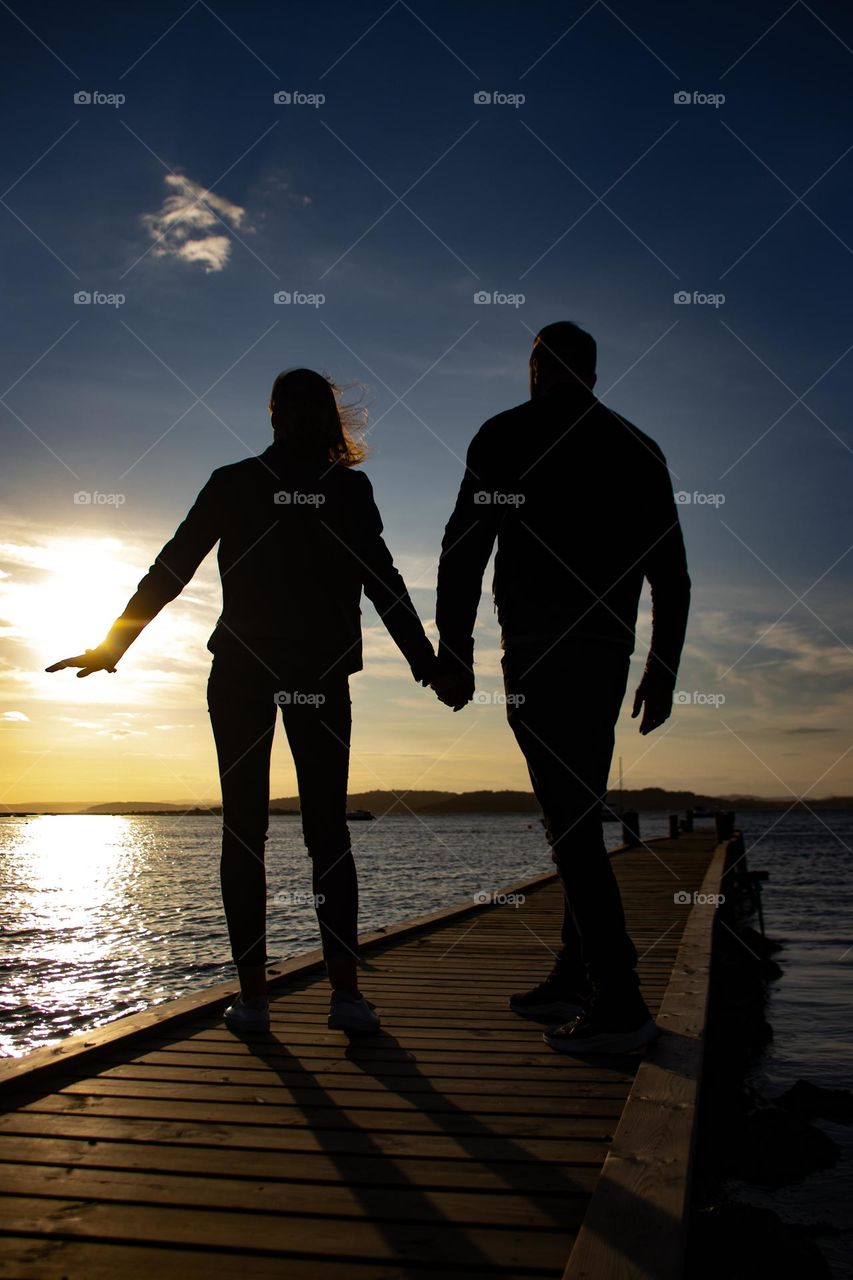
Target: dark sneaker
550 999
600 1029
353 1014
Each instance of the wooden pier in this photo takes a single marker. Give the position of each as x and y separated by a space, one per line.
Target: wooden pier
455 1143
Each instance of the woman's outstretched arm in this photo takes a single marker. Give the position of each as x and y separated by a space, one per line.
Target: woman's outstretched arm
166 579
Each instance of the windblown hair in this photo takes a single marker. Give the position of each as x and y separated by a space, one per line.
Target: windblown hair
308 414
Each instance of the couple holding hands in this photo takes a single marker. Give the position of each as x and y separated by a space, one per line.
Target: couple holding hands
579 504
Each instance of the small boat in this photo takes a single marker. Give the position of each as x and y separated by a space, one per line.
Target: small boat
360 815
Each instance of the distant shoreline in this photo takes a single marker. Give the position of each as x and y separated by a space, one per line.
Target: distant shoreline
403 803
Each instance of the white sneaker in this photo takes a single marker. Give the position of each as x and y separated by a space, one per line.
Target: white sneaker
347 1014
240 1016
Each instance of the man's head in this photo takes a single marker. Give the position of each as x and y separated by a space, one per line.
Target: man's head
562 353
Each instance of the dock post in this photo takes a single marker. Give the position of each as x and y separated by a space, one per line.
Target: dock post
631 829
688 820
725 820
673 826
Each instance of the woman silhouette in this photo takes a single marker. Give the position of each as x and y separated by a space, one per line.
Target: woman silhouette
299 537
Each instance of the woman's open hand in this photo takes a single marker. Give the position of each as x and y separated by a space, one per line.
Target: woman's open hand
99 659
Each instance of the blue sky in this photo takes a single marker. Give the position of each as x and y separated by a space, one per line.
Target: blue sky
397 198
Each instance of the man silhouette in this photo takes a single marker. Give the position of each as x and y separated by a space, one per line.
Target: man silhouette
581 506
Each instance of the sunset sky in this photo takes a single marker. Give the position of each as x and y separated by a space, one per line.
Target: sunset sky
381 199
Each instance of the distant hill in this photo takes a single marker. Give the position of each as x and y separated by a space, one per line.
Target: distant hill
403 802
644 800
134 806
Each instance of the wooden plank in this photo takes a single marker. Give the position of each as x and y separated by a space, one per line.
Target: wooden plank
370 1237
307 1086
359 1119
482 1147
429 1173
635 1227
46 1258
402 1071
352 1101
211 1044
558 1209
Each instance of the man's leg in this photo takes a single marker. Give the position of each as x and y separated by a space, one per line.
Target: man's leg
562 707
242 715
569 971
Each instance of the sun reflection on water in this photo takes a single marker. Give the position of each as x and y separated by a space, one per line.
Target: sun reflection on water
70 888
70 869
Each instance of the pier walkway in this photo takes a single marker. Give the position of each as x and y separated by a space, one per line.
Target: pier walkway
455 1143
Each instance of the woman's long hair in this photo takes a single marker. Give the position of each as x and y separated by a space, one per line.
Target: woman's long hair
309 416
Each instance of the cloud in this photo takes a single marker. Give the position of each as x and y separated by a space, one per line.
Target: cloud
807 729
14 715
190 224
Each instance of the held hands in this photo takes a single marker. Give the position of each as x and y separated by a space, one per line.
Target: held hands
654 699
454 688
451 680
98 659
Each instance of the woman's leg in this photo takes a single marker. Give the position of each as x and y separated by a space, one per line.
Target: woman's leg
242 714
317 721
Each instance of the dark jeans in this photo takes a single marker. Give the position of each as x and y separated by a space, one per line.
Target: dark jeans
243 695
562 706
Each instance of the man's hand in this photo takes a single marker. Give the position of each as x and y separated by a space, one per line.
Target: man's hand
654 699
99 659
454 687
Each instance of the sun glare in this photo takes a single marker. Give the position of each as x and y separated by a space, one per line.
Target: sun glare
65 595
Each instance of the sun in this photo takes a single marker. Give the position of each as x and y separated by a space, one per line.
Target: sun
62 597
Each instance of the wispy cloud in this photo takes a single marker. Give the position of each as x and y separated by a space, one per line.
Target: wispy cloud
191 224
809 729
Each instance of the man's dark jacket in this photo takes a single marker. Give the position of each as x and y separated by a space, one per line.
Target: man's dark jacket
582 508
298 541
